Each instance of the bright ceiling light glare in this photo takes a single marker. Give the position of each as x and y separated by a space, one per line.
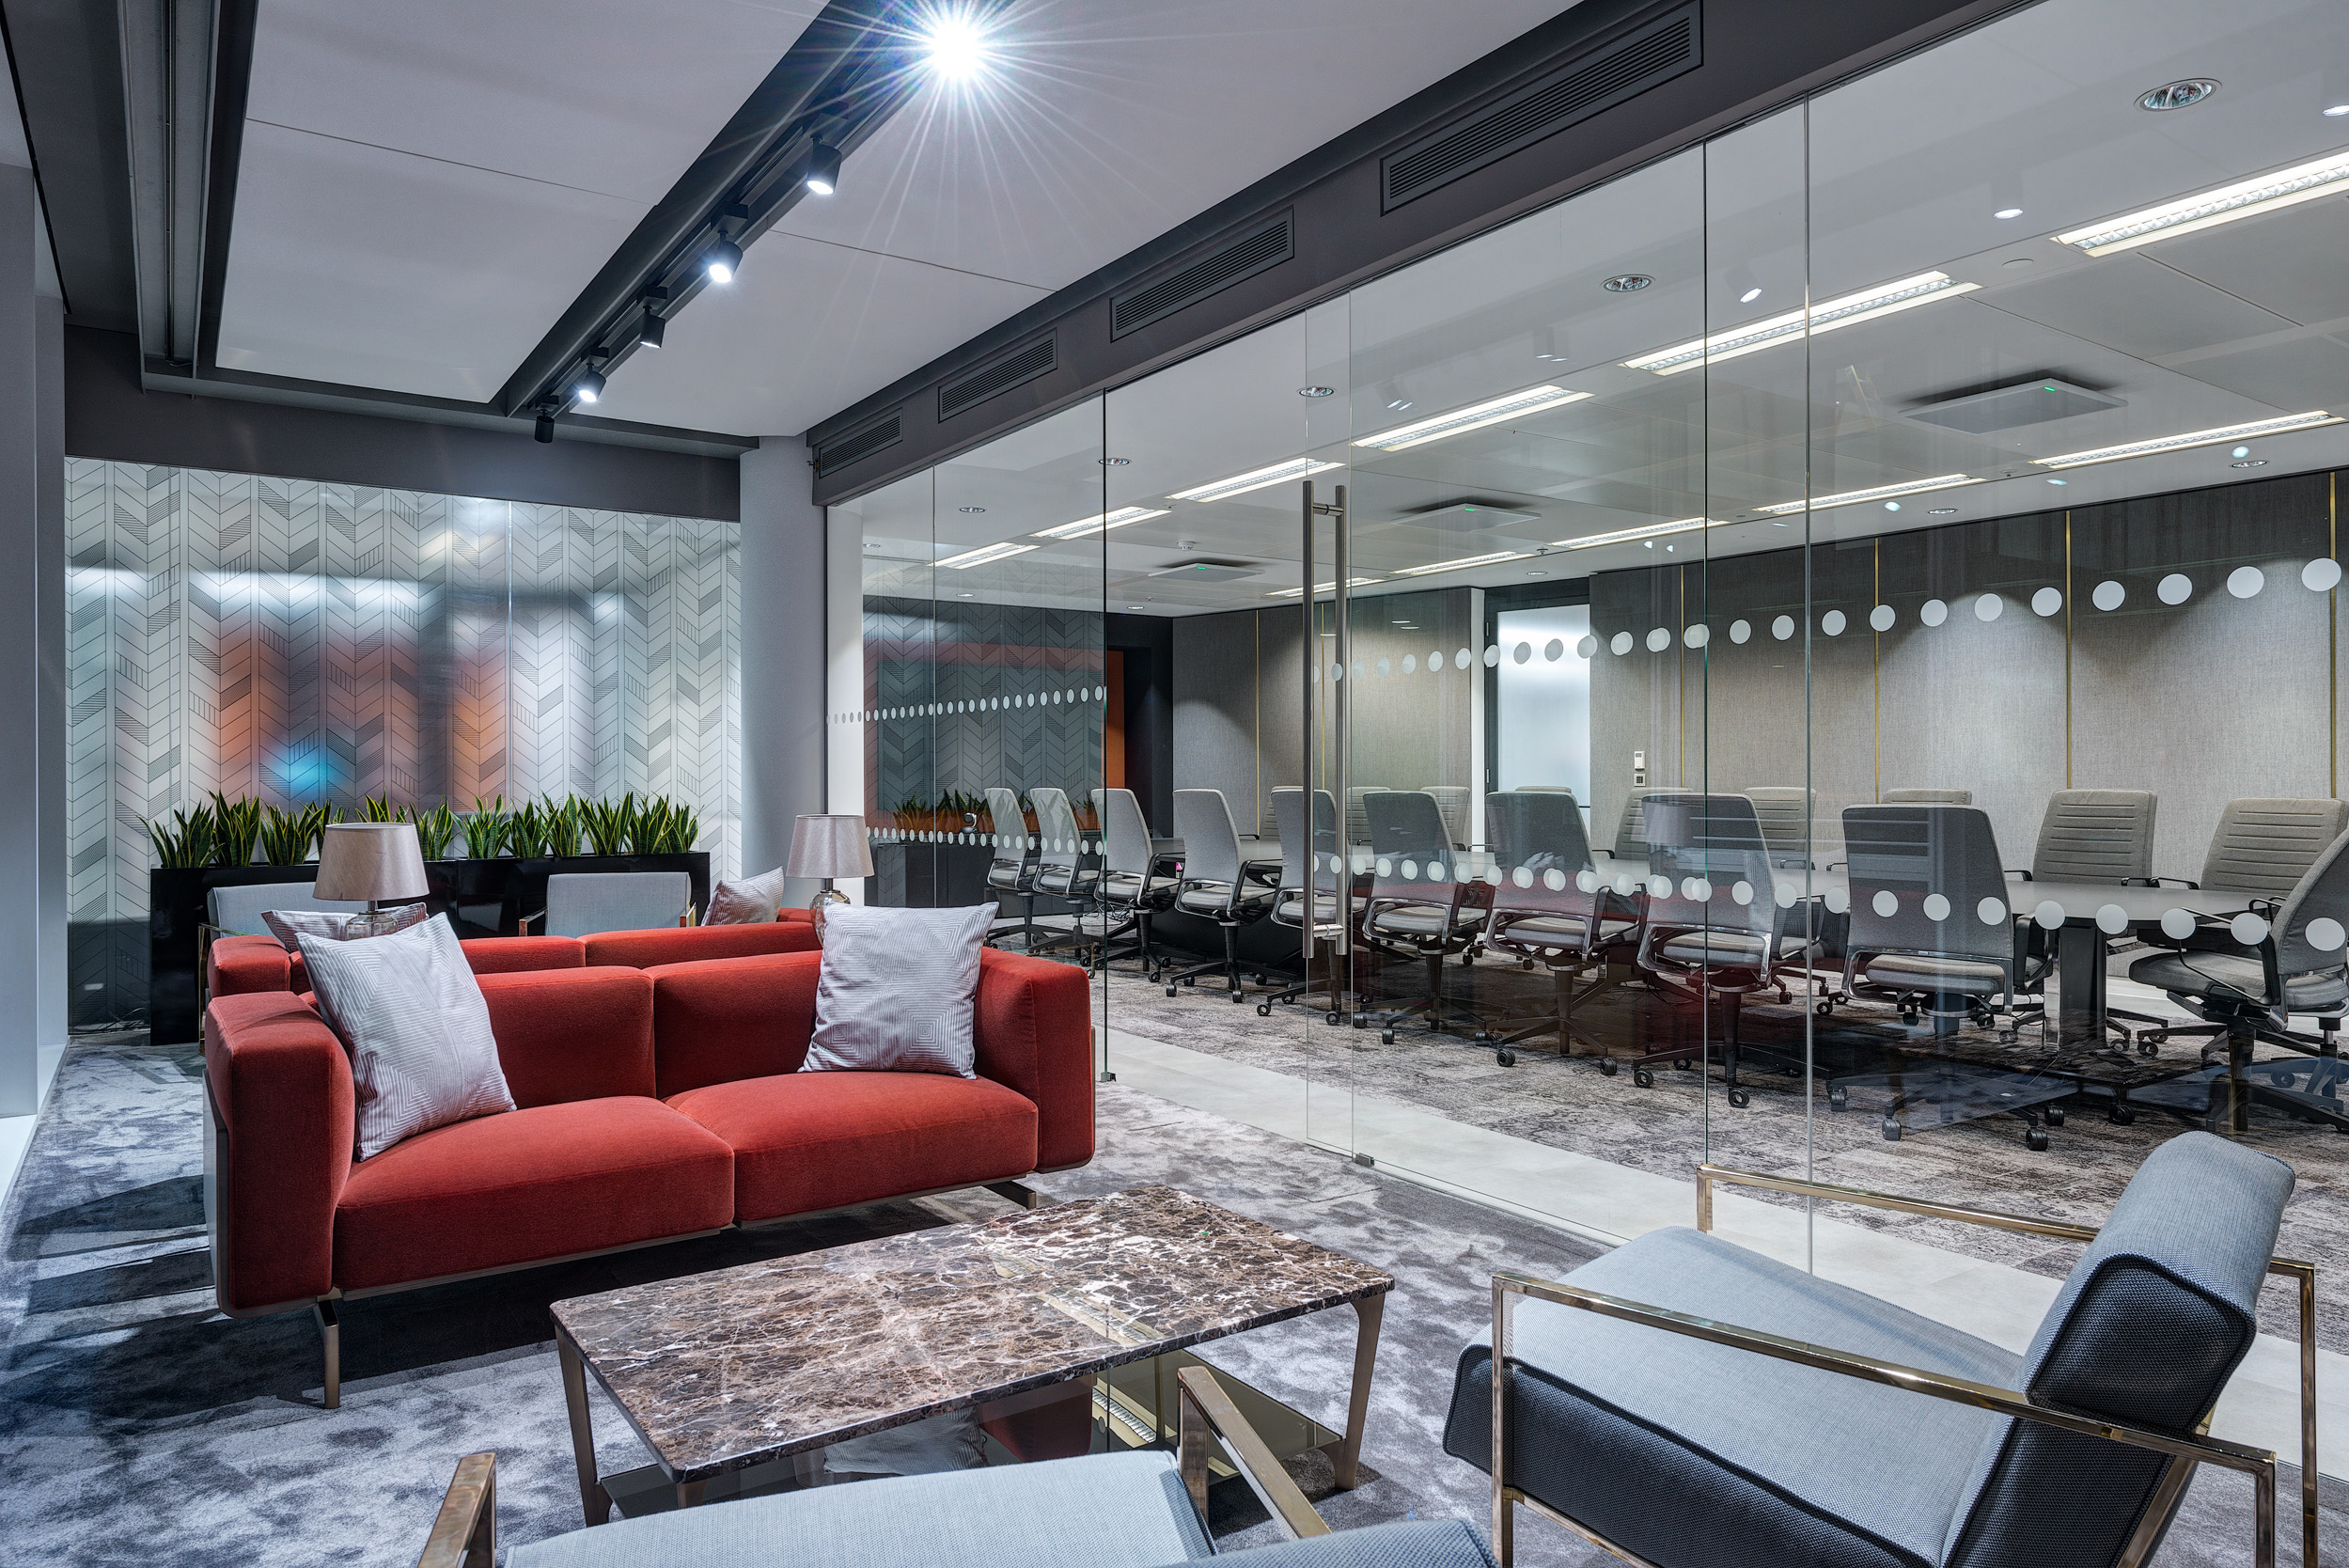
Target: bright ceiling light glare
1750 295
1881 492
1646 531
720 260
2261 193
1321 587
1464 562
953 46
1475 417
1255 479
2192 438
588 387
823 169
2005 213
1101 522
1865 305
2337 111
986 553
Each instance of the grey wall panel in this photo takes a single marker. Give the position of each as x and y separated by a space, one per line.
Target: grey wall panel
783 655
1215 716
1411 724
1636 697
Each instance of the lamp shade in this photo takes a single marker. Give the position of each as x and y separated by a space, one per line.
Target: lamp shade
363 861
829 846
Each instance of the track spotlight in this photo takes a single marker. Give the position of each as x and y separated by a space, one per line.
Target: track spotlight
649 335
823 169
543 432
588 387
721 260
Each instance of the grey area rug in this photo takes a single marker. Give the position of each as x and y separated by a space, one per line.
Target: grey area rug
1671 1128
139 1426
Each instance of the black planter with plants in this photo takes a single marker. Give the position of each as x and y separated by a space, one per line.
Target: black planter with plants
483 895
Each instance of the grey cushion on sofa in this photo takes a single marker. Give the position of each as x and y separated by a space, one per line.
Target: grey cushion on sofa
1421 1544
1766 1463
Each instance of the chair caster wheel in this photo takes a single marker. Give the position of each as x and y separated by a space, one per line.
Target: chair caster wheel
2120 1116
1839 1099
1525 963
2055 1116
1644 1079
1263 1010
1891 1130
1236 997
1507 1059
1606 1068
2006 1037
1361 1022
1825 1010
1740 1098
1331 1017
1386 1037
2035 1140
2148 1048
1174 989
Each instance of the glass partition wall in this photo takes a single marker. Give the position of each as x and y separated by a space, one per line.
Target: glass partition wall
1819 654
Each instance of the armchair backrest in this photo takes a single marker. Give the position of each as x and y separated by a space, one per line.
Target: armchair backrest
240 909
1211 845
581 904
2095 836
2314 921
2152 1321
2265 846
1906 857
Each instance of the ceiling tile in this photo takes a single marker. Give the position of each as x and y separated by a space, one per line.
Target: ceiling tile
2138 306
2295 261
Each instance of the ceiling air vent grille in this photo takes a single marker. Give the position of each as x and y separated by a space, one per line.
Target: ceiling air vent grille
1572 93
1016 369
862 444
1268 244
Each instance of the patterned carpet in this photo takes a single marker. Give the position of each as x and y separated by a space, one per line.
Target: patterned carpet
137 1426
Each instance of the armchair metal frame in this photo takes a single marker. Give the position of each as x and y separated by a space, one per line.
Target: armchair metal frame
2185 1450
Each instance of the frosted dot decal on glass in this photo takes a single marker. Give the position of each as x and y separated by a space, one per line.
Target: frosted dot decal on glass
1586 880
1838 901
1659 887
2176 588
1659 638
1463 659
2048 914
1555 880
1881 619
1741 631
1937 907
2047 601
1990 911
1696 637
1337 672
1411 663
1435 660
2248 929
2321 576
1702 892
2177 924
1553 649
1436 872
1521 876
1386 668
1989 607
1689 888
2112 920
1491 876
1787 894
1587 649
1624 884
1620 643
1386 867
2245 582
1884 903
1493 656
2110 595
1411 871
1741 892
2326 935
1521 654
1932 612
1832 624
1782 628
1359 669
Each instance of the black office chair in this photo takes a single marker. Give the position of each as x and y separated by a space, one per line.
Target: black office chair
1711 931
1312 867
1550 907
1012 872
2248 976
1130 890
1214 882
1418 906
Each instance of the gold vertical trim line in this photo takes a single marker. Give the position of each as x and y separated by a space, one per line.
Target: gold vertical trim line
1256 686
2067 648
1875 662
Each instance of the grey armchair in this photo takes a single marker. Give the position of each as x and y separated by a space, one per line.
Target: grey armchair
1688 1403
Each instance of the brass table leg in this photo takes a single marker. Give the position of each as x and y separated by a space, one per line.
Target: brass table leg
689 1493
593 1500
1346 1453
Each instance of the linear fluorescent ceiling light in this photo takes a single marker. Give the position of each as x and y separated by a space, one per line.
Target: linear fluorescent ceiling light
1320 587
2261 193
1646 531
1865 305
1101 522
1255 479
1475 417
1494 558
986 553
2192 438
1881 492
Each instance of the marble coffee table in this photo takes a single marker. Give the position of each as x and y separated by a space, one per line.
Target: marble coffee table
739 1367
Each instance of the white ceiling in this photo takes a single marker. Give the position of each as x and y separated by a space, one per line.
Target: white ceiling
2245 320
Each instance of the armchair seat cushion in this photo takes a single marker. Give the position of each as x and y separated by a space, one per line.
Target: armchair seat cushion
817 1141
2230 976
1766 1463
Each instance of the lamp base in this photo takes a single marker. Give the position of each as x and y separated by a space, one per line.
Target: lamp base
376 922
823 903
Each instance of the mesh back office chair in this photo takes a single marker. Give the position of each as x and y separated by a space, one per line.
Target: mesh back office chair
1215 883
1711 920
1452 801
1785 812
1928 797
1312 866
2265 846
2248 991
1551 907
1062 870
2096 836
1419 907
580 903
1631 829
1357 825
1130 892
1921 879
1014 869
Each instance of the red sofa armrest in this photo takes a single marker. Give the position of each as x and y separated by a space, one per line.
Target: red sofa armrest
238 966
1034 1033
279 1151
650 949
510 955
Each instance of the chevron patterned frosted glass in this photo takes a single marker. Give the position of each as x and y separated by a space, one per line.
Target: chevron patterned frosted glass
305 641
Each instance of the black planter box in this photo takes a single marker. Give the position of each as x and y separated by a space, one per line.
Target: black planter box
482 897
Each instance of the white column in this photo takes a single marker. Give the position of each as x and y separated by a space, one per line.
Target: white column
844 662
784 733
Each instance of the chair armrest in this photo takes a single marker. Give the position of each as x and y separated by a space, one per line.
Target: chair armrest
2174 882
284 1119
464 1535
1032 1031
522 927
2020 876
1204 1408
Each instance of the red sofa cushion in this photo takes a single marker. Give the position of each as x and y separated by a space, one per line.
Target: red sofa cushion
644 949
506 955
241 966
820 1140
281 1083
529 1186
722 1019
572 1034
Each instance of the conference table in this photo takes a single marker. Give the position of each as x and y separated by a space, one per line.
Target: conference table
2083 915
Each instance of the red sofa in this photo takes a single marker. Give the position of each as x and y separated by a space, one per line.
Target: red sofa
652 1105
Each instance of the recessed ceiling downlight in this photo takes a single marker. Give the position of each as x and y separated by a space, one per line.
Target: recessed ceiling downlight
2178 95
1626 283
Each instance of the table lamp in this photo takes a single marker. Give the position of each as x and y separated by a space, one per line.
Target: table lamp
378 862
828 847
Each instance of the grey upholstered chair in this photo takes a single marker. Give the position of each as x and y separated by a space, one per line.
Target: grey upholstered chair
1012 872
237 911
1131 889
1696 1405
1631 829
1785 812
1927 796
580 903
2096 836
2263 846
1312 878
1214 882
1419 907
1452 801
1551 907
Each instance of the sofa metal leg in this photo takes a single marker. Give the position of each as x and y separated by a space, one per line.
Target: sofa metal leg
1018 1192
330 1328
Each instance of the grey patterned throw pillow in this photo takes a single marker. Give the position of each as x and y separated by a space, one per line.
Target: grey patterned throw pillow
287 925
897 990
748 901
411 1013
